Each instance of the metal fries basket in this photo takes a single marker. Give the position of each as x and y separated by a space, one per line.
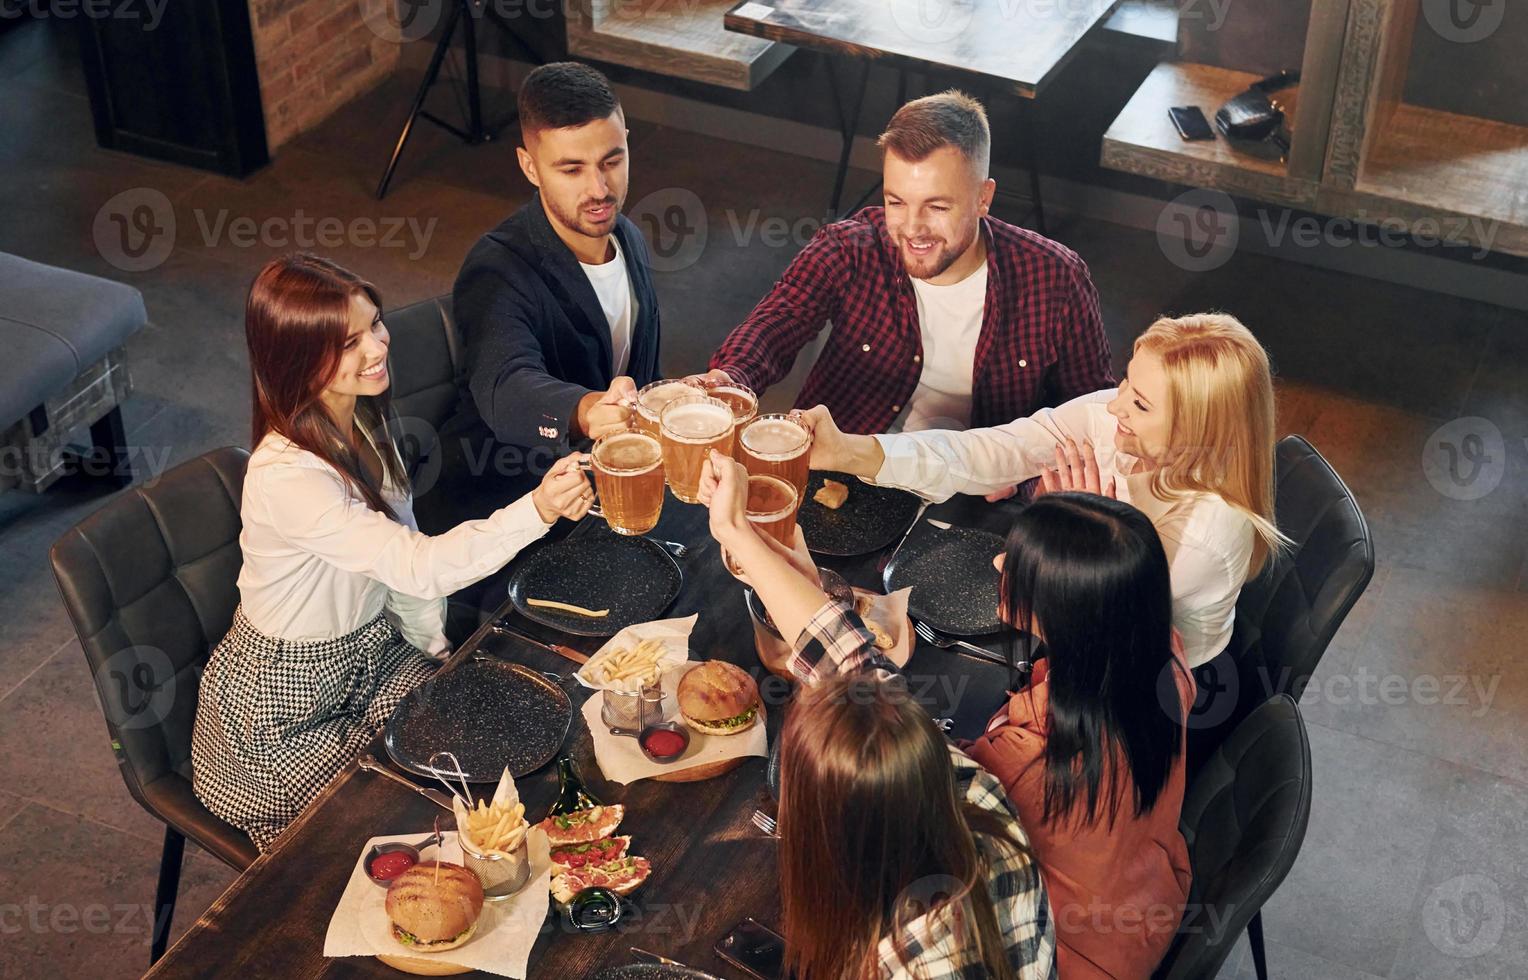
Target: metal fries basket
502 874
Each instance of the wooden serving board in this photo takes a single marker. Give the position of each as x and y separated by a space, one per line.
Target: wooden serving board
421 967
706 770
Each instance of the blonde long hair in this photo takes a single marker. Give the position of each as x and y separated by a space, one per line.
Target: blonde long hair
1223 426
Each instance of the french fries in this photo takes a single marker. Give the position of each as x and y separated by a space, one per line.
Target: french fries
494 828
568 607
625 669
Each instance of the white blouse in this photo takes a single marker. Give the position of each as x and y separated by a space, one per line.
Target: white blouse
1208 542
319 563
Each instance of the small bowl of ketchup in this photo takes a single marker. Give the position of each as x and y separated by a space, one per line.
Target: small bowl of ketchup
384 862
665 741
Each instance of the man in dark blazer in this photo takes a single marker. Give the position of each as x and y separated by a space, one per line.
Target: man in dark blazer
556 305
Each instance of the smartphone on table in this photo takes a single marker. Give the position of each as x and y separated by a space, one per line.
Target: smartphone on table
1190 122
755 949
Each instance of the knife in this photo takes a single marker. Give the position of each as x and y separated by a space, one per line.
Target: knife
644 956
370 764
888 559
567 653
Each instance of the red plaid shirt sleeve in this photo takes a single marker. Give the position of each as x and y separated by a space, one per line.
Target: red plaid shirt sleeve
761 350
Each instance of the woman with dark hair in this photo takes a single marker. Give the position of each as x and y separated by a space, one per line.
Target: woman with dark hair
1090 750
899 855
341 598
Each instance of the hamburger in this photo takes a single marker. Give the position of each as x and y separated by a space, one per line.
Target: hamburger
716 698
429 915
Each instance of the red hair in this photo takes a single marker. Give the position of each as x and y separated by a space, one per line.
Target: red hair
296 320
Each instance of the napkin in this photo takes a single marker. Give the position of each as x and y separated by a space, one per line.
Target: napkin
506 794
620 758
675 634
890 612
506 930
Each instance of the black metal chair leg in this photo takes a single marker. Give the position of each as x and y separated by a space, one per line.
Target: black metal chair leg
169 888
1255 940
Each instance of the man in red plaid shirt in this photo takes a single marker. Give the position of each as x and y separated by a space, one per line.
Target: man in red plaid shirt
942 316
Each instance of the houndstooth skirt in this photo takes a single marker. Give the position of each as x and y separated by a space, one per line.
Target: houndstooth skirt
276 719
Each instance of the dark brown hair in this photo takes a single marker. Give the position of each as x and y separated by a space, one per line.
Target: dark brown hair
870 820
563 94
950 118
296 320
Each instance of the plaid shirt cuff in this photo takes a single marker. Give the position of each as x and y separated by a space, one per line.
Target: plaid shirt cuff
835 641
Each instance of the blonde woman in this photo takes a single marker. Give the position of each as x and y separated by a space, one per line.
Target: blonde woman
1187 438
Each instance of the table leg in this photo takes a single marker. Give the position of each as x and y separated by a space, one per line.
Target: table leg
848 122
1032 154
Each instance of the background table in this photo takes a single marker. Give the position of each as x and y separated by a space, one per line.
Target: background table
1015 45
711 867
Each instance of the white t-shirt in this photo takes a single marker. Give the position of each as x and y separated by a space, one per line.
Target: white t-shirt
613 287
318 563
1208 542
950 320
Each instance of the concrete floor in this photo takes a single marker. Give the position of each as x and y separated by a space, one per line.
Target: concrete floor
1415 863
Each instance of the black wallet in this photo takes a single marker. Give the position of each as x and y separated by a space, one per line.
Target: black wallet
1253 116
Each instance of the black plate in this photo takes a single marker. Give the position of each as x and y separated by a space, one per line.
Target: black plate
872 518
490 713
955 587
598 569
652 971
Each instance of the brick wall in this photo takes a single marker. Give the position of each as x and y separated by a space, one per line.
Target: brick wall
314 56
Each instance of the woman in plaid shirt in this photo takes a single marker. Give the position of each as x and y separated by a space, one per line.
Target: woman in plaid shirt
899 855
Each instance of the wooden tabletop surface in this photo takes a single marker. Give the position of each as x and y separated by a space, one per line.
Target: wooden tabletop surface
1020 44
711 868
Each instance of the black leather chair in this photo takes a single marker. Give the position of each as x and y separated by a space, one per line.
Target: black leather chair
150 584
424 362
1295 607
441 445
1244 818
1287 616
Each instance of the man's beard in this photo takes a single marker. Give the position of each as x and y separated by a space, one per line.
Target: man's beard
579 223
939 261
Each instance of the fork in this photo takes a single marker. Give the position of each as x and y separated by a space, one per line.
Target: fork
673 547
766 823
932 636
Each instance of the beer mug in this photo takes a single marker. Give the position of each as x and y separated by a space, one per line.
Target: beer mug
628 477
690 427
745 406
777 444
652 398
771 509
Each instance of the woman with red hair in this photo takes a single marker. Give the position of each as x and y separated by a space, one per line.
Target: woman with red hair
342 600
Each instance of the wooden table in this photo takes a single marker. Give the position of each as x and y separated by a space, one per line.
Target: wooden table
1018 46
711 868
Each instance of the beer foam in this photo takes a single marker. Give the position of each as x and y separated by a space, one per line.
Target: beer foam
700 422
654 401
775 438
629 452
